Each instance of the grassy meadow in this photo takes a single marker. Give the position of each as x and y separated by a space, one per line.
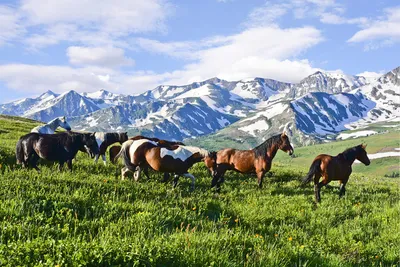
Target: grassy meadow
92 218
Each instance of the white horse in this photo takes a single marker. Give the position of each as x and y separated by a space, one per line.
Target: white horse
51 126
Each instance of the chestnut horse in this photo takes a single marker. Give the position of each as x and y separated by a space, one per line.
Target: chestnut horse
337 168
140 153
258 160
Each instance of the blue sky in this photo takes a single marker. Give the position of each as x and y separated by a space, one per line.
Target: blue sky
130 46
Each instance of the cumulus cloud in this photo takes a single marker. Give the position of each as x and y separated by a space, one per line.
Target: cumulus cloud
385 31
98 56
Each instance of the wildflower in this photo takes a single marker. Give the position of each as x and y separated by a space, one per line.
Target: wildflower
290 238
302 246
105 180
276 235
194 208
376 257
260 236
256 236
58 265
236 220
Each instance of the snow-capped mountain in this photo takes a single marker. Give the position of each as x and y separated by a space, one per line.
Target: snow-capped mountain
328 82
321 105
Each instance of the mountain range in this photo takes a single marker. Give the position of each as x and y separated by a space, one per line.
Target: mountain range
317 108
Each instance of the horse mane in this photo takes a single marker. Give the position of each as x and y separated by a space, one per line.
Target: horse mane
262 149
194 149
350 153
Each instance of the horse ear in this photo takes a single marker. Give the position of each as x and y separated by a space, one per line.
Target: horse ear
364 146
93 134
283 134
64 118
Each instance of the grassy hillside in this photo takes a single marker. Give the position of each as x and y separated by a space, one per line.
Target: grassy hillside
92 218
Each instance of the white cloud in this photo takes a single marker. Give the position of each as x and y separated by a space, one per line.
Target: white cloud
331 18
266 14
385 31
269 52
98 56
9 26
371 74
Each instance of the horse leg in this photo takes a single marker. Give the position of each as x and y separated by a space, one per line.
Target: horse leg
166 177
60 165
136 174
146 171
69 165
34 161
176 179
342 190
103 156
260 177
124 170
189 175
317 188
96 158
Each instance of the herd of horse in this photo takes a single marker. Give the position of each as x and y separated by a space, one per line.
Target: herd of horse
141 153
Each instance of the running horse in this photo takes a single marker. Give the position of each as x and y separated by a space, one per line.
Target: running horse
335 168
61 147
258 160
140 153
51 126
106 139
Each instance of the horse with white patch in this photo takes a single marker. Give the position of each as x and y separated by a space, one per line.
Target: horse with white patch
178 159
106 139
51 126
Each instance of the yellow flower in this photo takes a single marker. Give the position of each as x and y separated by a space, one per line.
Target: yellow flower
58 265
276 235
376 257
194 208
260 236
256 235
290 238
302 246
105 180
236 220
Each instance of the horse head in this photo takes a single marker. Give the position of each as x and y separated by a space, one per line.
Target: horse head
64 124
362 154
90 143
285 145
211 162
123 137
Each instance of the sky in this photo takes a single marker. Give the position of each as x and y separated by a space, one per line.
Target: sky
131 46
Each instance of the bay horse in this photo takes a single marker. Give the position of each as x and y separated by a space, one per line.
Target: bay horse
61 147
335 168
258 160
106 139
51 126
139 153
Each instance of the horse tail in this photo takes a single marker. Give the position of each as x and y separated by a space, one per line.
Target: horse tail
124 152
314 168
19 152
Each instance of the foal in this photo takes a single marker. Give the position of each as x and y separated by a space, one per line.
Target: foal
258 160
335 168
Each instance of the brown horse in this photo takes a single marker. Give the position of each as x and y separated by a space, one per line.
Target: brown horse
257 160
161 143
335 168
140 153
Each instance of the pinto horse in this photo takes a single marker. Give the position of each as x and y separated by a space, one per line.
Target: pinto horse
60 147
106 139
140 153
258 160
335 168
161 143
51 126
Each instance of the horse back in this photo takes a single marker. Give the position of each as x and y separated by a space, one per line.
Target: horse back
333 168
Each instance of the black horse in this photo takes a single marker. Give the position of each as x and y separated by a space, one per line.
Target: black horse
61 147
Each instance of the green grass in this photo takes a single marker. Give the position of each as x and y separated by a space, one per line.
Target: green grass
92 218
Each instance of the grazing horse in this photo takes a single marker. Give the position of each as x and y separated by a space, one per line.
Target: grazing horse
335 168
51 126
143 152
60 147
258 160
106 139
